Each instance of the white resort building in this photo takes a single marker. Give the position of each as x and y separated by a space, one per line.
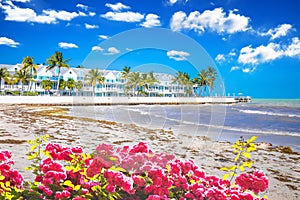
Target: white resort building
114 84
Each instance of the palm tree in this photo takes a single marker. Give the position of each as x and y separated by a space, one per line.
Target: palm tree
144 82
125 75
24 76
70 84
134 81
56 60
62 84
47 85
212 74
94 77
78 85
4 73
187 82
178 78
11 80
203 80
151 80
28 64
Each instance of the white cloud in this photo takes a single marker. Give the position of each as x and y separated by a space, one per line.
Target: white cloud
104 37
220 58
179 21
214 20
129 49
247 70
172 1
226 57
22 1
232 53
117 7
92 14
293 50
124 16
272 51
89 26
112 51
8 42
261 54
152 20
177 55
234 68
66 45
279 31
97 48
14 13
84 7
63 15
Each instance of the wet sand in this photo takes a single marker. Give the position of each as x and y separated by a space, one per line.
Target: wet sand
19 123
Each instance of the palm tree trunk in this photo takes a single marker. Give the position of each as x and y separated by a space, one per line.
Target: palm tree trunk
58 79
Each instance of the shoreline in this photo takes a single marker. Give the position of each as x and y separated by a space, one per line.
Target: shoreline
19 123
89 100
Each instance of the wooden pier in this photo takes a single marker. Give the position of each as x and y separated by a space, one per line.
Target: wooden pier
243 99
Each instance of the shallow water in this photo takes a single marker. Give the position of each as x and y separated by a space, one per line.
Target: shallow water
273 121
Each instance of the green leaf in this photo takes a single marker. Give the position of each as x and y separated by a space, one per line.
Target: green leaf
118 169
247 164
226 176
242 168
229 168
113 158
33 147
232 174
77 187
69 184
33 156
247 155
237 157
252 139
250 149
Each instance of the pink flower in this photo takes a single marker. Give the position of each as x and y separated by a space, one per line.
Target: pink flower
215 194
256 182
5 155
110 188
77 150
157 197
141 147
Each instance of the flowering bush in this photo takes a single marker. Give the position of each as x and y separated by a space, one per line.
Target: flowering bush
10 179
123 173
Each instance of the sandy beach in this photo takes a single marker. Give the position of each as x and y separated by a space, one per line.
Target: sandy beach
19 123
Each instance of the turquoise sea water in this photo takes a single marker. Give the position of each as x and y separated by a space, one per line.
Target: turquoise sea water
294 103
275 121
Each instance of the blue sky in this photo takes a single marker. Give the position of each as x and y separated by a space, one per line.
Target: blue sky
254 44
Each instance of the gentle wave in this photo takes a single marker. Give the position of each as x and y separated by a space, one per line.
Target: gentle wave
183 121
266 113
235 129
264 132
